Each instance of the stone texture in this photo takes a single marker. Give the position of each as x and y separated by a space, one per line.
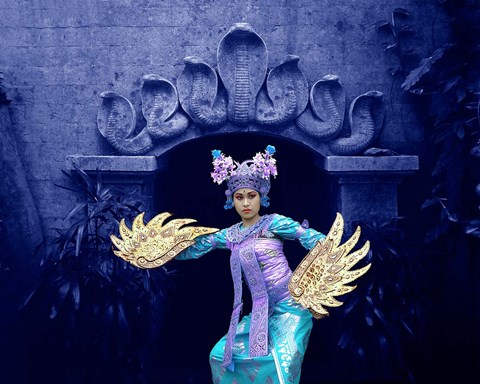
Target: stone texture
20 228
364 188
68 55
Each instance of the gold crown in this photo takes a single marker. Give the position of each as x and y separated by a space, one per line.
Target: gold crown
154 244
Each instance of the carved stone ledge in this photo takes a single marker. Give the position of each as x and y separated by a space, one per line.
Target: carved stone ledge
370 165
365 188
134 175
114 164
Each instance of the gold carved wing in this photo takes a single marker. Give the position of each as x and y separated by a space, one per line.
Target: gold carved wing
326 270
153 244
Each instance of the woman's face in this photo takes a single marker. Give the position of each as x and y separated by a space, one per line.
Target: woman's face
247 205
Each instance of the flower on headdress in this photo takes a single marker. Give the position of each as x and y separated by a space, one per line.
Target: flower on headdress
264 164
270 149
223 167
216 153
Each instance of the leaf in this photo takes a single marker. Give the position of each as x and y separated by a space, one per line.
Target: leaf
461 93
423 68
62 292
395 71
382 341
77 208
123 322
379 315
431 202
369 319
388 46
75 290
407 30
53 312
407 327
87 179
472 227
68 237
472 105
453 217
475 151
360 352
380 292
416 91
478 111
451 83
350 305
28 298
105 194
382 25
99 182
344 340
401 12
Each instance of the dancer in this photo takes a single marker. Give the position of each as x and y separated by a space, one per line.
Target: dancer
268 345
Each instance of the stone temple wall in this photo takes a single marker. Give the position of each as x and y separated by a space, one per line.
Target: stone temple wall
57 60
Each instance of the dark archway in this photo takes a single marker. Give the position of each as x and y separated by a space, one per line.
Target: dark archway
199 305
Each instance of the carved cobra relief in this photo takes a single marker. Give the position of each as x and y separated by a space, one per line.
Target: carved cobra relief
199 94
285 96
116 122
160 108
242 65
117 117
324 119
240 92
366 116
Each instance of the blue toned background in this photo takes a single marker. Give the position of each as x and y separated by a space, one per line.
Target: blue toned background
419 324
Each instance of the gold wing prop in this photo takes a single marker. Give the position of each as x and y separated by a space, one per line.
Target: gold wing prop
154 244
325 271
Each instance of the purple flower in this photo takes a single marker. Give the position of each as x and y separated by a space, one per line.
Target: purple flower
222 167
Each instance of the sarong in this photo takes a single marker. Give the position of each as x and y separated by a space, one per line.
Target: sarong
289 328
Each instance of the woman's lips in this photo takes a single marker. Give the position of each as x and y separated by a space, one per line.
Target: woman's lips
247 210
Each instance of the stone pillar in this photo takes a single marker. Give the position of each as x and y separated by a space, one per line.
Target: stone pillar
364 188
20 226
132 174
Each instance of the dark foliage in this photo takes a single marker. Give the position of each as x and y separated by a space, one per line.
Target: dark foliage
386 313
445 86
99 315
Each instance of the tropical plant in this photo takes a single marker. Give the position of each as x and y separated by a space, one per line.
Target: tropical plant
103 313
445 86
399 34
385 314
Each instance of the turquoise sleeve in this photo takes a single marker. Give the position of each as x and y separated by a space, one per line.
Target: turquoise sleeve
204 244
289 229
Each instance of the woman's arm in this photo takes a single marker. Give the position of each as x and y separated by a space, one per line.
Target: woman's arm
204 244
286 228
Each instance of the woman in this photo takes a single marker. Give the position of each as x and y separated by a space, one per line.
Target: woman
268 345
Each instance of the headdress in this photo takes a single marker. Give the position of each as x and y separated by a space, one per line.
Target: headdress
253 174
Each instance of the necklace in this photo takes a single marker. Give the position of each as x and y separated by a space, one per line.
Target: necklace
237 233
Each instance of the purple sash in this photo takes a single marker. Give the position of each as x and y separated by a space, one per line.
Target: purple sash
242 244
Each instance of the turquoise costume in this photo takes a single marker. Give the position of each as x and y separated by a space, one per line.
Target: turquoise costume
268 345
